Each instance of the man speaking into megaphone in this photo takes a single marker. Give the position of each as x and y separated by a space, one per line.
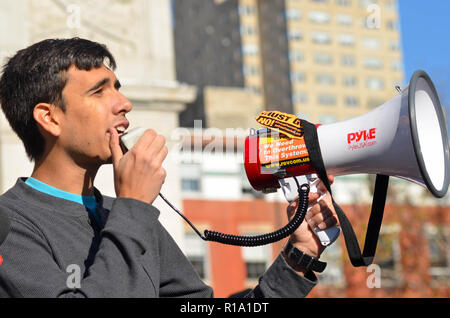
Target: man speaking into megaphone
62 99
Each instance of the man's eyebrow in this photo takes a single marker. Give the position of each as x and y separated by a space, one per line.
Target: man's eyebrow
98 85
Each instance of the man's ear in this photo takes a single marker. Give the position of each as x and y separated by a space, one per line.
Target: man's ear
47 116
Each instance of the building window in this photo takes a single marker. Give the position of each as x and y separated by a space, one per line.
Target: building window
351 101
196 252
256 259
319 17
190 178
323 58
299 98
250 49
190 185
348 60
251 70
438 238
396 65
392 25
349 81
247 10
296 56
295 35
298 77
375 83
248 30
293 14
325 79
344 3
325 99
344 19
371 43
346 39
394 45
372 63
388 256
365 3
321 37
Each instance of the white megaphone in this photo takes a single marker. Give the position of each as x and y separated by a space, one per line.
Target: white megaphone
406 137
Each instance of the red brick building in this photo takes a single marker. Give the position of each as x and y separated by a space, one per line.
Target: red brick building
412 254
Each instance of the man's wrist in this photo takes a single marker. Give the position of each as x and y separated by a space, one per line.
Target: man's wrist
301 261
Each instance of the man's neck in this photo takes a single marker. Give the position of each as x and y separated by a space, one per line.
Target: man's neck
65 175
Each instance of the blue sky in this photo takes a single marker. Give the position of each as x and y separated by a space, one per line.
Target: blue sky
425 27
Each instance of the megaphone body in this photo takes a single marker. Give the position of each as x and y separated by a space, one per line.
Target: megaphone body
406 137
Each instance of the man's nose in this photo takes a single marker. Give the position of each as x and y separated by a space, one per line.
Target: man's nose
123 105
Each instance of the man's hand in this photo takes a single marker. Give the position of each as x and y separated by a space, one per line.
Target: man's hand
139 174
321 215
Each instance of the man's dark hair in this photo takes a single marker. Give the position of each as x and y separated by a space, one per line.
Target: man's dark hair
36 75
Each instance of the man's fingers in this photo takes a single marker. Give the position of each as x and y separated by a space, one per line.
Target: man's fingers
114 146
313 196
145 140
322 214
322 220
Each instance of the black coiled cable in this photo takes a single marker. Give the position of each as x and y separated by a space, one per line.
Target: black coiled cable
257 240
268 238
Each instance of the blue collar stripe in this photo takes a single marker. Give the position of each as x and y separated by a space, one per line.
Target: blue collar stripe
90 202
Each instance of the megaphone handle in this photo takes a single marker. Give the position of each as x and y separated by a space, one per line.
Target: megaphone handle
289 187
329 235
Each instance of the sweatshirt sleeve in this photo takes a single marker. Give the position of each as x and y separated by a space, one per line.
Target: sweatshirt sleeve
282 281
30 269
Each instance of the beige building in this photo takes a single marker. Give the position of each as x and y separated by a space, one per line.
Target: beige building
344 55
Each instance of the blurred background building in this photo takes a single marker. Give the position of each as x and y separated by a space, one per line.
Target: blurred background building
199 72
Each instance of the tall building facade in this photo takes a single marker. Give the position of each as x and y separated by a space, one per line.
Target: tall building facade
208 49
324 60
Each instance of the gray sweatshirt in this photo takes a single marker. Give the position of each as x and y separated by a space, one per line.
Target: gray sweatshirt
129 255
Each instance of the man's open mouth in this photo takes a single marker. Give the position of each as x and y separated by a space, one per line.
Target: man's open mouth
121 128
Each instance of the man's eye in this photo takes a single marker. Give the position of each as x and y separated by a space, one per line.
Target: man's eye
98 92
